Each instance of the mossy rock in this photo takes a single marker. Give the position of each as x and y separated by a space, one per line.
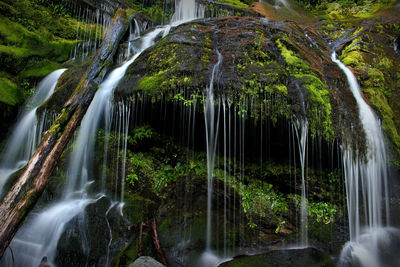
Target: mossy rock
372 58
264 62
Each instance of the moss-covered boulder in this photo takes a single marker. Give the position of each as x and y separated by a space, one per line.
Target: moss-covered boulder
284 66
373 58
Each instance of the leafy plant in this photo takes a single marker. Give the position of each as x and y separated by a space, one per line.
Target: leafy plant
132 179
323 212
140 133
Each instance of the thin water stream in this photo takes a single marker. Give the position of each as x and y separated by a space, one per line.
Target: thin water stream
212 126
27 132
367 191
301 128
40 234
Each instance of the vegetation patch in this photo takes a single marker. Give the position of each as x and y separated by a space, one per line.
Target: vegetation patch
318 107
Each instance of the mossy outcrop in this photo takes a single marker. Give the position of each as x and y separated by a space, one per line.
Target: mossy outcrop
263 60
372 57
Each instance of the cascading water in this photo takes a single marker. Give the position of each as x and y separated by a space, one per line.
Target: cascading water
27 132
87 39
367 190
40 234
186 10
301 128
212 126
281 3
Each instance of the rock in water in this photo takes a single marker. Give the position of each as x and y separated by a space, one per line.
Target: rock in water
146 261
44 262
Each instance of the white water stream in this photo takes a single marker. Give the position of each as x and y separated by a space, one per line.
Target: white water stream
367 190
211 139
27 132
40 234
301 128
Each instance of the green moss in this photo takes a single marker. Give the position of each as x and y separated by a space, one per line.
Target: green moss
235 3
129 12
207 47
351 55
295 63
16 52
41 68
353 59
137 208
319 111
54 128
152 84
280 88
376 74
10 93
347 10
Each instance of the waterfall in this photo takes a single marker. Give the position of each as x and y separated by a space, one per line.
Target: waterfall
301 128
281 3
366 188
186 10
212 126
211 139
134 33
40 234
27 132
87 40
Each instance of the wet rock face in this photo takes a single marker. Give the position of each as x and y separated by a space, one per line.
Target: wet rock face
278 62
86 238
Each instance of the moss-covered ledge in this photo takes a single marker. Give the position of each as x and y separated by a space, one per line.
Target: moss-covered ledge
373 59
264 61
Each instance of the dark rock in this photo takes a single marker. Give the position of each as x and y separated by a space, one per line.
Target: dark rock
284 257
44 263
86 237
213 9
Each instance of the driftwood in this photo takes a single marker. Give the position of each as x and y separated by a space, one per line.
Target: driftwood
152 225
34 178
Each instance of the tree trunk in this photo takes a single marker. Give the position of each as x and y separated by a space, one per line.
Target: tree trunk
31 183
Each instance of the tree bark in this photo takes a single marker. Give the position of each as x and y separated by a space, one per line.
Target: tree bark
31 183
157 244
152 225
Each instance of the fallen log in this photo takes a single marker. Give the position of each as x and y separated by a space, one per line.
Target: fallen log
152 225
34 178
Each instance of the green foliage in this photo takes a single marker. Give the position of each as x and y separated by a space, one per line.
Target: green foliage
131 179
323 212
140 133
259 198
9 92
36 37
164 176
346 9
156 10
